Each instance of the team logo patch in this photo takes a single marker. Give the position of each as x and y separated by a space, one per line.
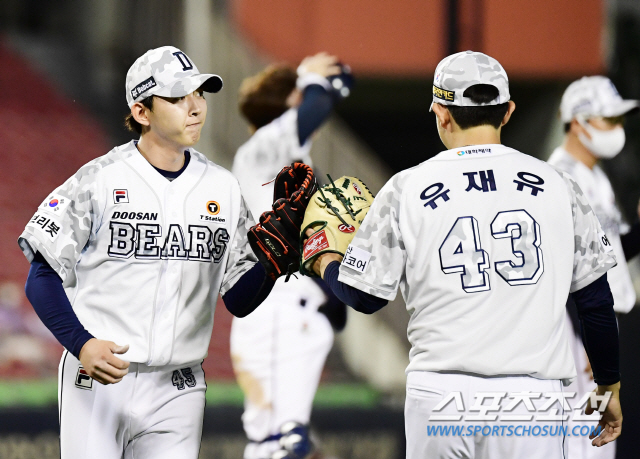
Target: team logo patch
83 380
346 228
213 207
357 188
120 196
315 244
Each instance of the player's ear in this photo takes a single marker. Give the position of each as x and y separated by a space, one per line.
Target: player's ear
140 113
576 128
510 110
443 116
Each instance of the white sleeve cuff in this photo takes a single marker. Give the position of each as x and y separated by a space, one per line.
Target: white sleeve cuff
308 78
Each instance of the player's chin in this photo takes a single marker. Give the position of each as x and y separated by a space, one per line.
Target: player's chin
191 136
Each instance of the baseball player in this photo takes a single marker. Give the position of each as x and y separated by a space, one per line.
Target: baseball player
485 243
279 351
593 113
128 257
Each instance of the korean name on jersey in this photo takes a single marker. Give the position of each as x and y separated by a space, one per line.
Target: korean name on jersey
485 244
143 259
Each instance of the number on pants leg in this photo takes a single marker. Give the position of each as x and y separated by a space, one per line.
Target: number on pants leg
461 252
189 378
177 379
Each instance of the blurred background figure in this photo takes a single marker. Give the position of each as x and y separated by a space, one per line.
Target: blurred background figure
279 350
593 113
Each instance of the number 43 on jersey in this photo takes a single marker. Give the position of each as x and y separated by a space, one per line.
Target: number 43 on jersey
461 251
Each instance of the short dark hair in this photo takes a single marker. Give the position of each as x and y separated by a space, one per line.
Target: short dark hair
130 122
263 97
468 117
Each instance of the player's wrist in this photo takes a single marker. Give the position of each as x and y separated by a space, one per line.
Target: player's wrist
325 260
601 389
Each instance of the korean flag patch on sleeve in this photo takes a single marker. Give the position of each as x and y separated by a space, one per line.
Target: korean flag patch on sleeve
54 205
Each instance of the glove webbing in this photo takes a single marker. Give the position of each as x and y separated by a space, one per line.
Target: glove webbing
346 202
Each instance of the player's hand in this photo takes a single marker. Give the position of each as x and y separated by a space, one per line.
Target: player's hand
98 359
322 261
322 63
611 421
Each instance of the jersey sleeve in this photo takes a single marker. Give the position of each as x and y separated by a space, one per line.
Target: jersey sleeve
61 227
241 257
593 253
375 260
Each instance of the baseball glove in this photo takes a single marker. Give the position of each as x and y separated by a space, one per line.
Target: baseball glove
335 214
276 238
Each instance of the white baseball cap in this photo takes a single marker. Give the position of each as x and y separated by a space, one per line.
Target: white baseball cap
168 72
593 96
455 73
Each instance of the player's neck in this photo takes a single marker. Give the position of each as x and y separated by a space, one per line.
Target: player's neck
575 148
479 135
160 153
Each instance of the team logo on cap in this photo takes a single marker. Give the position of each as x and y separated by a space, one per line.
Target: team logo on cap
213 207
120 196
143 87
443 94
83 380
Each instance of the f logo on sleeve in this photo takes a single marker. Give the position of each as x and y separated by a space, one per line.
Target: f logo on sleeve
83 380
120 196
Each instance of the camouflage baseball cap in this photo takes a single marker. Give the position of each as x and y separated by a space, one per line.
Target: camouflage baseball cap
168 72
455 73
593 96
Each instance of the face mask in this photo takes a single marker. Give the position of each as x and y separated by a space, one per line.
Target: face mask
603 144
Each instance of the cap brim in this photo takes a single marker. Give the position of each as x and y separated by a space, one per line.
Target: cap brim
623 108
185 86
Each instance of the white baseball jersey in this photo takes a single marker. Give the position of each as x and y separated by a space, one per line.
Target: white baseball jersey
597 188
259 160
485 244
143 259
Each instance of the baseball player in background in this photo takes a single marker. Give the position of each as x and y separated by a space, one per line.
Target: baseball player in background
485 243
128 257
279 351
593 113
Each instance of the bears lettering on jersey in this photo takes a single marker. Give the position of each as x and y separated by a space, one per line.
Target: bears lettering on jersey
143 242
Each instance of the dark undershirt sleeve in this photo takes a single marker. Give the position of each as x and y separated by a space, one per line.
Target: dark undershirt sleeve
333 308
599 330
631 241
357 299
315 108
47 296
248 292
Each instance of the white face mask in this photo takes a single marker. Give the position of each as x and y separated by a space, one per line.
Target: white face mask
603 144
